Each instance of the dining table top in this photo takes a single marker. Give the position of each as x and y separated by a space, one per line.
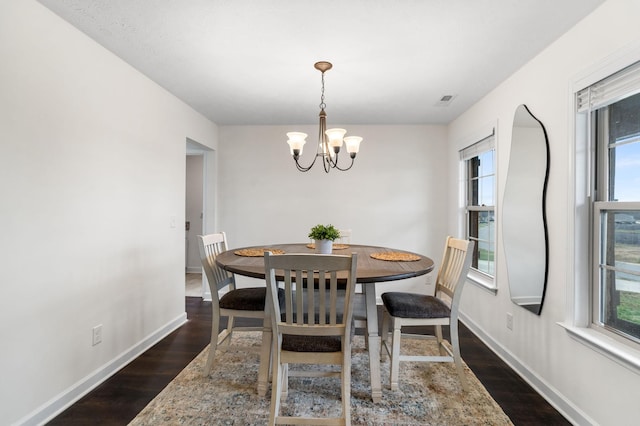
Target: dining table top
246 262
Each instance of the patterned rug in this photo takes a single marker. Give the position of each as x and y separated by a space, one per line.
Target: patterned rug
429 393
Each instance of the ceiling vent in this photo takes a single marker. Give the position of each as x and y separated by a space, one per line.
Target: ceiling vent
445 100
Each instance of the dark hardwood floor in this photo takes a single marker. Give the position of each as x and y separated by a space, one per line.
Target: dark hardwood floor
118 400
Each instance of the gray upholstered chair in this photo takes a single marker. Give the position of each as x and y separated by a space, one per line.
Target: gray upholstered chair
315 325
412 309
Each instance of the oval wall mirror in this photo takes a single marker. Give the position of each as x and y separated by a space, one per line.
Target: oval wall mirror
524 222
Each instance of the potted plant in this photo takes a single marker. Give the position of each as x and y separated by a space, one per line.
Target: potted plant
324 236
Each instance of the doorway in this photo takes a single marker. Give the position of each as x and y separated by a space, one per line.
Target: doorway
197 192
194 214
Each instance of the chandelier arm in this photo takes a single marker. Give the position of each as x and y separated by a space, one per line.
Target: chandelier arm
327 164
302 168
332 162
353 160
323 143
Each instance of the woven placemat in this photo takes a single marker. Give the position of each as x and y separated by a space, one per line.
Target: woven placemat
335 246
257 252
395 256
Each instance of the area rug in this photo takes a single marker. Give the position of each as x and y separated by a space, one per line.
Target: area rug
428 394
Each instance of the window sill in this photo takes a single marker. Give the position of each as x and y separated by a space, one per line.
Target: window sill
483 281
611 348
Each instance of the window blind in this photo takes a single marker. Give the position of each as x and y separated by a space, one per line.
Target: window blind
620 85
483 145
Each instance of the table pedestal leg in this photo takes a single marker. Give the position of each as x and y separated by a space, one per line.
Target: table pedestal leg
374 342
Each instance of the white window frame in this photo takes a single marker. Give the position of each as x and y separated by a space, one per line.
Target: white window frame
481 145
578 321
600 209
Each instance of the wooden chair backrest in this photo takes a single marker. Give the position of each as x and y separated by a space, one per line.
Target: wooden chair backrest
456 262
345 236
211 246
321 312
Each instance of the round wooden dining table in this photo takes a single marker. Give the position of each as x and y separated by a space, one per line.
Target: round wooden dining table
375 264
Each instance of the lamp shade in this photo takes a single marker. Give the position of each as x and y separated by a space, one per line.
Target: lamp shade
353 144
296 141
335 137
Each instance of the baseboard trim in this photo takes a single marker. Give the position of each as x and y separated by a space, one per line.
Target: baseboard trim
569 410
61 402
193 269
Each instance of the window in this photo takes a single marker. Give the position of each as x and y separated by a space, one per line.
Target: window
478 163
613 117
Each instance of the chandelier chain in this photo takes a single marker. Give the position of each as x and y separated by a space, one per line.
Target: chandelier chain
322 104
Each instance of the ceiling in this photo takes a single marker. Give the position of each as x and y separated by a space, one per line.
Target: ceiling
250 62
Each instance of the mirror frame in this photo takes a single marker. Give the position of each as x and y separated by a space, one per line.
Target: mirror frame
514 262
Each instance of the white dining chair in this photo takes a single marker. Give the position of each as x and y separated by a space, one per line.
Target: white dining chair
314 328
235 302
412 309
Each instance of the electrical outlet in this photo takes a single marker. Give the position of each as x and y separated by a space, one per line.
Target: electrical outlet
97 334
509 320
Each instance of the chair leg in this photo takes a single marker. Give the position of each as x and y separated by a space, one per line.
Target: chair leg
230 324
275 391
455 343
265 362
366 337
284 386
215 328
395 353
346 387
440 340
384 336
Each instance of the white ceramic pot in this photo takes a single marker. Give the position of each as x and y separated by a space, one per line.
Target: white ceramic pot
324 246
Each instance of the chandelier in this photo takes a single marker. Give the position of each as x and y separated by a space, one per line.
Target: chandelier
329 141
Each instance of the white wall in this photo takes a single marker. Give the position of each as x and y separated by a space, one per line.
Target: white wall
92 175
393 195
585 385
